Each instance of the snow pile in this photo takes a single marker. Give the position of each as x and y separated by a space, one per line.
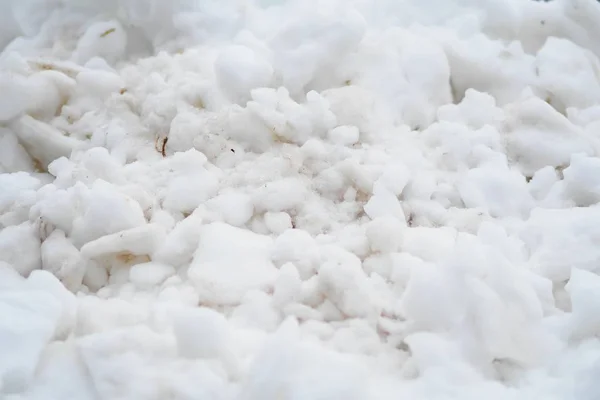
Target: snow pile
299 199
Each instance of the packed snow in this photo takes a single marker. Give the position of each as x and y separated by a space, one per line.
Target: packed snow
299 200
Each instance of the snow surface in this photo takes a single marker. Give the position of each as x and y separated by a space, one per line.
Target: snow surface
301 200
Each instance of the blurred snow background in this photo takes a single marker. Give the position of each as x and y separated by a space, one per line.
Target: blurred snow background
303 199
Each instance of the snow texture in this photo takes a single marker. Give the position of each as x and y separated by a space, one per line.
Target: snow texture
299 200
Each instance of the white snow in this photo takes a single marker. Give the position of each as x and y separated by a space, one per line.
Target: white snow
299 199
201 333
229 262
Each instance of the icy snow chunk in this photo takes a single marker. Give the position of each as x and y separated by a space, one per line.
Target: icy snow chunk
582 179
42 141
352 106
29 321
235 207
51 380
148 275
496 236
65 172
106 39
13 186
425 67
421 186
385 234
401 266
345 135
9 276
286 367
13 157
587 387
289 121
569 73
48 283
539 136
435 353
107 211
62 259
188 161
515 333
120 361
20 247
476 110
31 15
343 281
229 262
240 69
584 289
187 192
191 183
354 239
15 96
288 286
278 222
331 38
243 126
357 336
99 84
184 129
257 311
179 245
489 66
164 219
362 178
433 299
384 203
96 276
98 163
58 207
331 182
201 333
499 191
563 239
298 247
141 240
395 177
542 182
281 195
48 91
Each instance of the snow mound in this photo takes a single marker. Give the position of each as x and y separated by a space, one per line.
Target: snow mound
299 199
